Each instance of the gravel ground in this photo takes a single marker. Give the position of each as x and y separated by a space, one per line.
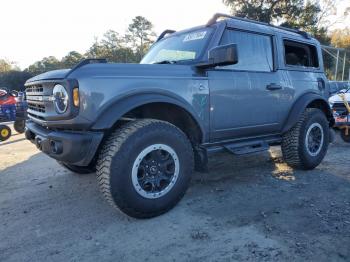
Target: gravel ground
251 208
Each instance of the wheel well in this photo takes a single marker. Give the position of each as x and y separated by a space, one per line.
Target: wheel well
322 105
171 113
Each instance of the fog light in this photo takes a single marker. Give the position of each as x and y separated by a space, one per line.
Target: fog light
76 97
56 147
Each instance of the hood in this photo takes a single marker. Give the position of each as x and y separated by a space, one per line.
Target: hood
112 70
132 70
109 70
51 75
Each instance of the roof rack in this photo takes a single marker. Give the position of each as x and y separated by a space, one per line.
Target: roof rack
166 32
215 18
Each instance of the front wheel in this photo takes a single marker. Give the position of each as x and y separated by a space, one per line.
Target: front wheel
306 144
145 167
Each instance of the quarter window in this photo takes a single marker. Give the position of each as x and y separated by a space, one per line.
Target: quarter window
299 54
254 50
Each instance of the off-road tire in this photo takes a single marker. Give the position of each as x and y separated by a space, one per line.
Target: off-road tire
293 145
19 126
121 150
346 138
5 132
81 170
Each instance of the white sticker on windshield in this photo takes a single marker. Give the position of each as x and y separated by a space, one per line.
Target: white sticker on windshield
195 36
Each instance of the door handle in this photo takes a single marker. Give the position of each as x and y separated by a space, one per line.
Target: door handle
273 86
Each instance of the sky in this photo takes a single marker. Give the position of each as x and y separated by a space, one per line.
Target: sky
33 29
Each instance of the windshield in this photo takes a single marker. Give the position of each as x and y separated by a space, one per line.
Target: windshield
179 47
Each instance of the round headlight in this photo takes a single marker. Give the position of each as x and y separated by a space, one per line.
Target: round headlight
60 96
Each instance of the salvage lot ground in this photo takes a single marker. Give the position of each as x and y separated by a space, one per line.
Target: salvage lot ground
250 208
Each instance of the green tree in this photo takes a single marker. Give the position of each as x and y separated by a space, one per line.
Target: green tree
140 33
96 50
266 10
71 59
113 47
116 49
308 15
14 79
44 65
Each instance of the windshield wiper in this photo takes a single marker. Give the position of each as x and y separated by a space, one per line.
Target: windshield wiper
165 62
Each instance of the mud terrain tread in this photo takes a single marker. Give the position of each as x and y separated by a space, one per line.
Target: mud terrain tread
290 143
110 149
291 148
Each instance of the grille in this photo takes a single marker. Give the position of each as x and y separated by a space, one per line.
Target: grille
37 106
36 89
340 109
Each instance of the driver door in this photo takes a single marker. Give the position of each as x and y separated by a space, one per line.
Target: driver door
245 97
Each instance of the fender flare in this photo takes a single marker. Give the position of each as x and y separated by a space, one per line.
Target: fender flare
299 107
123 105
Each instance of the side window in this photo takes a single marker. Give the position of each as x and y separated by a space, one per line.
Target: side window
299 54
254 50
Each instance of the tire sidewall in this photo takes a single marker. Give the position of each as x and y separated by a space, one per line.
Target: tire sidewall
4 138
122 188
312 161
19 126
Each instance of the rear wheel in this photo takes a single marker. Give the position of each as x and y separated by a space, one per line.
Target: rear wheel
344 136
306 144
5 132
145 167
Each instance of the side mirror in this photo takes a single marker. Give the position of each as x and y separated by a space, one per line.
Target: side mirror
221 56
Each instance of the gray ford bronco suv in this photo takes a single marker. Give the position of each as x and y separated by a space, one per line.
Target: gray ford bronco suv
233 84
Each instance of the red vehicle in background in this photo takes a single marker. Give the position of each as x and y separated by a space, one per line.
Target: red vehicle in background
13 108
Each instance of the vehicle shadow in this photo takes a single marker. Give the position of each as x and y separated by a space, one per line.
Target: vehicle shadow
12 141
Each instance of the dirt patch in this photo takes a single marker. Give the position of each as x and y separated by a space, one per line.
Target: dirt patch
252 208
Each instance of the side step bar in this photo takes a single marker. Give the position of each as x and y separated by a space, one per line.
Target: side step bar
247 148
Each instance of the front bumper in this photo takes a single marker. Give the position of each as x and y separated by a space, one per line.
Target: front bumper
341 120
71 147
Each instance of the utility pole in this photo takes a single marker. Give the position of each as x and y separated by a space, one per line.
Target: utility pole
336 66
343 72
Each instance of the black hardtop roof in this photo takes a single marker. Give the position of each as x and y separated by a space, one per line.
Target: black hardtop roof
250 25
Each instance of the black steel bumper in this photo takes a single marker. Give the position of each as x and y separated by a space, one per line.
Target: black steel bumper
72 147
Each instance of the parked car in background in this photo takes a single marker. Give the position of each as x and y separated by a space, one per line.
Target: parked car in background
13 108
340 104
